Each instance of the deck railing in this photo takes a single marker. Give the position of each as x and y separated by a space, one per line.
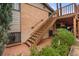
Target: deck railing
68 9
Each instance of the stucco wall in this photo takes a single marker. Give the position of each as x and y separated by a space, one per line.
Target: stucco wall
29 17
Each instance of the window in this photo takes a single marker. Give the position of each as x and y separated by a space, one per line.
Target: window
16 6
14 37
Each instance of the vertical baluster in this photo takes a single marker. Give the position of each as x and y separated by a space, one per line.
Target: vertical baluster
64 10
59 12
57 9
60 9
75 9
72 8
68 10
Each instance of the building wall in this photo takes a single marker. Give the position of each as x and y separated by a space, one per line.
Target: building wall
15 24
40 5
31 17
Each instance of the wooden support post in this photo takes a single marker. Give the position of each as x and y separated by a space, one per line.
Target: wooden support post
60 9
78 29
57 9
74 26
75 8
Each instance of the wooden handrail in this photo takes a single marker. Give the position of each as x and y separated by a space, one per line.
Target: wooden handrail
45 21
40 22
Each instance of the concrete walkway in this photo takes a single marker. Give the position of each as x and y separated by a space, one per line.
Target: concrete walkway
24 49
75 49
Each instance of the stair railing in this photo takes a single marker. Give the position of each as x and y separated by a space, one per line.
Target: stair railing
52 22
53 15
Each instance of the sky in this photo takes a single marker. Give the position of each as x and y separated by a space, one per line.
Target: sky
53 5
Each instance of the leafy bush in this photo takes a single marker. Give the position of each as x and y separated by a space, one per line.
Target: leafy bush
49 51
60 46
63 50
65 37
55 42
34 51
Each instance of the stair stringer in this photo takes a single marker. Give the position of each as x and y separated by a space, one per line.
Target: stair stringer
49 23
53 22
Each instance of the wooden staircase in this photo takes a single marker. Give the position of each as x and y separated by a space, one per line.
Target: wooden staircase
39 33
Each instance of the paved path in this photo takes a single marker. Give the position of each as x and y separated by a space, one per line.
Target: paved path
75 49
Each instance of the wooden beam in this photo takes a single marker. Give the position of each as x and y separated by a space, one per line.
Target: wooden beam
66 16
74 26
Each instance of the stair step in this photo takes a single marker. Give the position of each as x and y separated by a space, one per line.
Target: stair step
33 38
42 29
39 31
31 41
35 35
28 43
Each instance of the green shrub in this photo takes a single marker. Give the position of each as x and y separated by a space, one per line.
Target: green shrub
34 51
65 37
55 42
63 50
49 51
60 46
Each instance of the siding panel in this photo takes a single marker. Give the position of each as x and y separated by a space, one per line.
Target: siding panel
15 25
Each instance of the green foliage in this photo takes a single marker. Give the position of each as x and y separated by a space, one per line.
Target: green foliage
63 50
65 37
34 51
55 42
60 46
49 51
5 19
